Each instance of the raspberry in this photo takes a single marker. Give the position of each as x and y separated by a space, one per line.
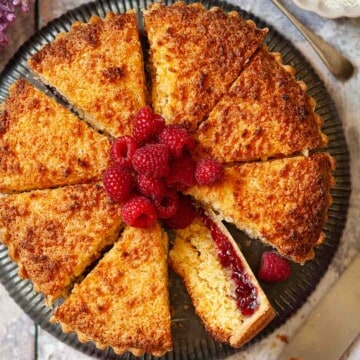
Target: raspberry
149 186
118 182
147 125
181 174
123 150
208 171
167 205
177 139
184 216
139 211
273 267
152 160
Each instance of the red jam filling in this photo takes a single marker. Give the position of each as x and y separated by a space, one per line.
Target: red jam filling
246 293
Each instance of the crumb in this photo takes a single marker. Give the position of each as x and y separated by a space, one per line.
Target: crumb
283 338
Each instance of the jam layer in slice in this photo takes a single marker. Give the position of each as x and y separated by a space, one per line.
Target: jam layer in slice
225 293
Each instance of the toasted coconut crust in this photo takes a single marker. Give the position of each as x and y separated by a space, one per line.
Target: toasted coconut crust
98 67
283 202
194 258
43 145
195 55
55 234
266 113
123 302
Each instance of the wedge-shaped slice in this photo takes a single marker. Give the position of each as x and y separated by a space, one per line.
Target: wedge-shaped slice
195 55
283 202
265 113
123 302
98 68
54 235
224 291
42 144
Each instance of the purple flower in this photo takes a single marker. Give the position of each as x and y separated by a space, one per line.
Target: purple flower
7 15
23 3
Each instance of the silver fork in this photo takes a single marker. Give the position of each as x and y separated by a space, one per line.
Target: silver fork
341 67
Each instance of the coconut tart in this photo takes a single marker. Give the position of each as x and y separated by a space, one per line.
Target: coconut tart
123 302
55 234
195 55
43 145
98 68
266 113
282 202
223 289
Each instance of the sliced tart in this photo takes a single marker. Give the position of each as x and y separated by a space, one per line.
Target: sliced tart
54 235
195 55
223 289
98 68
124 302
42 144
283 202
266 113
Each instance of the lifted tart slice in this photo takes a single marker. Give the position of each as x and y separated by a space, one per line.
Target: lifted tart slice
195 55
42 144
54 235
98 68
123 302
265 113
223 289
283 202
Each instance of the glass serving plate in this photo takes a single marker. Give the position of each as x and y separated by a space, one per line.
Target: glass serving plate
190 338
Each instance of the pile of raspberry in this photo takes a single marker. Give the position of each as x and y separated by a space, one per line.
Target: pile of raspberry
151 168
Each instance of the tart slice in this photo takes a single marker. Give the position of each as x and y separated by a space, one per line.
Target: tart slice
265 113
195 55
54 235
123 302
42 144
98 68
223 289
283 202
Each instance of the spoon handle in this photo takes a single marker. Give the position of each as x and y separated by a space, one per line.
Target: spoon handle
337 63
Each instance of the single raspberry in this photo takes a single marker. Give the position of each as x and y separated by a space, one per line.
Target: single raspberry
166 205
147 125
152 160
273 267
184 215
181 175
149 186
122 150
208 171
118 182
139 211
177 139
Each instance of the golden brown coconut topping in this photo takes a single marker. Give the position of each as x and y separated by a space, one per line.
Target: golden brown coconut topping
98 67
195 55
265 113
42 144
